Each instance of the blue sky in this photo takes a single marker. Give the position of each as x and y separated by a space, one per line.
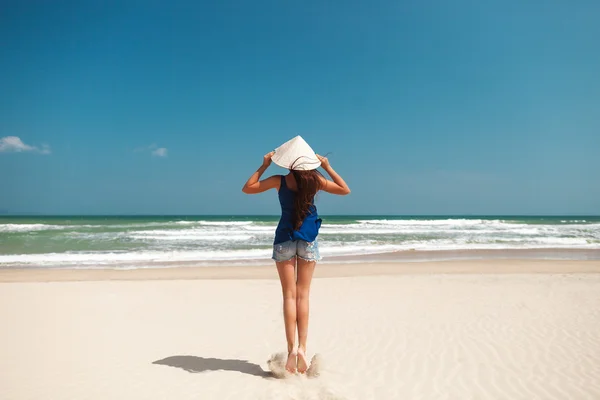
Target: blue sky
463 107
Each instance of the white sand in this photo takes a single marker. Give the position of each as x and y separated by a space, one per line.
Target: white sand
426 336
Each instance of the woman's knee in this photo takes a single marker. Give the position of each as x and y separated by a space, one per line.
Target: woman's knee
302 293
290 294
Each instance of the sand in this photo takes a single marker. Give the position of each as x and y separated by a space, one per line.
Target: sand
474 330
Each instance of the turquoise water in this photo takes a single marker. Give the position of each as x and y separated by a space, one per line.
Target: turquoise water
116 241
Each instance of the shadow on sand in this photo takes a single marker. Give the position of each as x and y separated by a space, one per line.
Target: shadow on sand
195 364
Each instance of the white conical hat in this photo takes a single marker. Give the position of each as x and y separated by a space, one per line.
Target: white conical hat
296 154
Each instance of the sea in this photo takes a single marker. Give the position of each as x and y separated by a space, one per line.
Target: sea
130 242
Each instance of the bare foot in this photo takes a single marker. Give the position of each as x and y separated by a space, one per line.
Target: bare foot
290 366
302 362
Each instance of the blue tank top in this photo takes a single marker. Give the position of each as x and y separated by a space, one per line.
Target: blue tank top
285 229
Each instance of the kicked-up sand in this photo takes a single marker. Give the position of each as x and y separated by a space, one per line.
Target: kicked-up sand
498 329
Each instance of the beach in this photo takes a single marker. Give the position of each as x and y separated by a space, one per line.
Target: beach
462 329
164 163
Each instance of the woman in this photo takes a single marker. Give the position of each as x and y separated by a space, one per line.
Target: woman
295 241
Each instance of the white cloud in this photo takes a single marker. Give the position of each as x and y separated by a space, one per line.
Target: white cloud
45 149
160 152
153 149
15 144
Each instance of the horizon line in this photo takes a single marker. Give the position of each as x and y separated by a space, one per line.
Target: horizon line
278 215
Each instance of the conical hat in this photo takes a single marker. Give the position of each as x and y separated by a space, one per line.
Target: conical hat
296 154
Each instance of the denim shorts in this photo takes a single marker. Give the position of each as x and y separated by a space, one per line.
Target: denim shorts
285 251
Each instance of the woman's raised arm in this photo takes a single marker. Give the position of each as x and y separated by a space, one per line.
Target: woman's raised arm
254 185
338 186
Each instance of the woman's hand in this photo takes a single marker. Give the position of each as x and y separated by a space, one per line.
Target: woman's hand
255 185
267 159
324 161
337 186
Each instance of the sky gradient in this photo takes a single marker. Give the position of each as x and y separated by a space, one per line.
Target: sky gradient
135 107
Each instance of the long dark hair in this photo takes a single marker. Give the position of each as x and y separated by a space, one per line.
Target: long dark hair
308 184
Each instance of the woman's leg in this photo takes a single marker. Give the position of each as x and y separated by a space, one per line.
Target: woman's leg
286 271
305 274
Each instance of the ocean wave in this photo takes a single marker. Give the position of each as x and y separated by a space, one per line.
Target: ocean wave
108 258
431 222
198 233
30 227
328 249
224 223
260 228
192 238
159 242
367 247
